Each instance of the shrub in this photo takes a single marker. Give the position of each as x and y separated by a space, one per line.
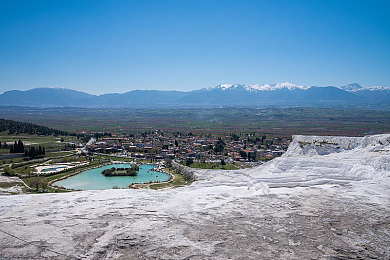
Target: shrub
37 183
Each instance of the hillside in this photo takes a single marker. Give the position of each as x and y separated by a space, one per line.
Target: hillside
15 127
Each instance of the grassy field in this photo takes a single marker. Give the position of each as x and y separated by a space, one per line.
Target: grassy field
51 143
59 153
53 146
178 181
212 165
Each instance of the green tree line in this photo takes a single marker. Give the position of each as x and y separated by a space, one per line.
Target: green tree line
15 127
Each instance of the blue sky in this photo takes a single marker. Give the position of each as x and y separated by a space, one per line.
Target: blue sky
117 46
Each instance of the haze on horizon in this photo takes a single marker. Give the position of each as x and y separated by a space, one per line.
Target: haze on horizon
117 46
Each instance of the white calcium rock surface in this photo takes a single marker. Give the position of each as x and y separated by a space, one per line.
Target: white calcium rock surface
325 198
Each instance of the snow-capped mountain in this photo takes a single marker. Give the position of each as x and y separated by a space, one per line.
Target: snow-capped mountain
258 87
355 87
278 94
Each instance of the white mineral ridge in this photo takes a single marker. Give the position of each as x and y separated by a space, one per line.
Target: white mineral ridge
336 171
312 160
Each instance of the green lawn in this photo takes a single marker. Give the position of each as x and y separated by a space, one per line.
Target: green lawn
59 153
178 181
51 143
212 165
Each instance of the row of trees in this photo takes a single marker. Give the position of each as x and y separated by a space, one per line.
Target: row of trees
18 147
33 151
4 146
251 156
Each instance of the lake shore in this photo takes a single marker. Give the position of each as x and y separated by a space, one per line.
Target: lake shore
91 179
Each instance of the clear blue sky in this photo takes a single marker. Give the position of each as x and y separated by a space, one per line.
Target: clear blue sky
117 46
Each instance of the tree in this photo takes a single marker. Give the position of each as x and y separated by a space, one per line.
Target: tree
35 152
189 161
235 137
252 156
15 147
8 171
219 146
133 171
243 154
36 183
108 172
20 146
169 162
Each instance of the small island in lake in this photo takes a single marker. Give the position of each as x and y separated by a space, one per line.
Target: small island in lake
133 171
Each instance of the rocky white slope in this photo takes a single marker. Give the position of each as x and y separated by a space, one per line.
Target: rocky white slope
327 197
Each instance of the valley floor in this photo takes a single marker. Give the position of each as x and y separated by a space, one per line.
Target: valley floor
314 202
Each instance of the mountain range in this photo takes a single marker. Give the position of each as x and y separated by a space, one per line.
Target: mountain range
280 95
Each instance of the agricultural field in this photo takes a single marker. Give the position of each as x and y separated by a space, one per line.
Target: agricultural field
269 121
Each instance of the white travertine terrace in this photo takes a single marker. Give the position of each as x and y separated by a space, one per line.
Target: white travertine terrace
325 197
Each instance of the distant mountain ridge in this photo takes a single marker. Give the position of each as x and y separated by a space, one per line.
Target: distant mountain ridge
279 94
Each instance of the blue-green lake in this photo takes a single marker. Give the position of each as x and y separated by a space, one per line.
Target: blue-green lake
93 179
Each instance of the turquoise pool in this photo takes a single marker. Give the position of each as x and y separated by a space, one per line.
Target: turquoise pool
54 169
93 179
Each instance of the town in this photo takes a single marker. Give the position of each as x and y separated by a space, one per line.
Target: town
191 147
